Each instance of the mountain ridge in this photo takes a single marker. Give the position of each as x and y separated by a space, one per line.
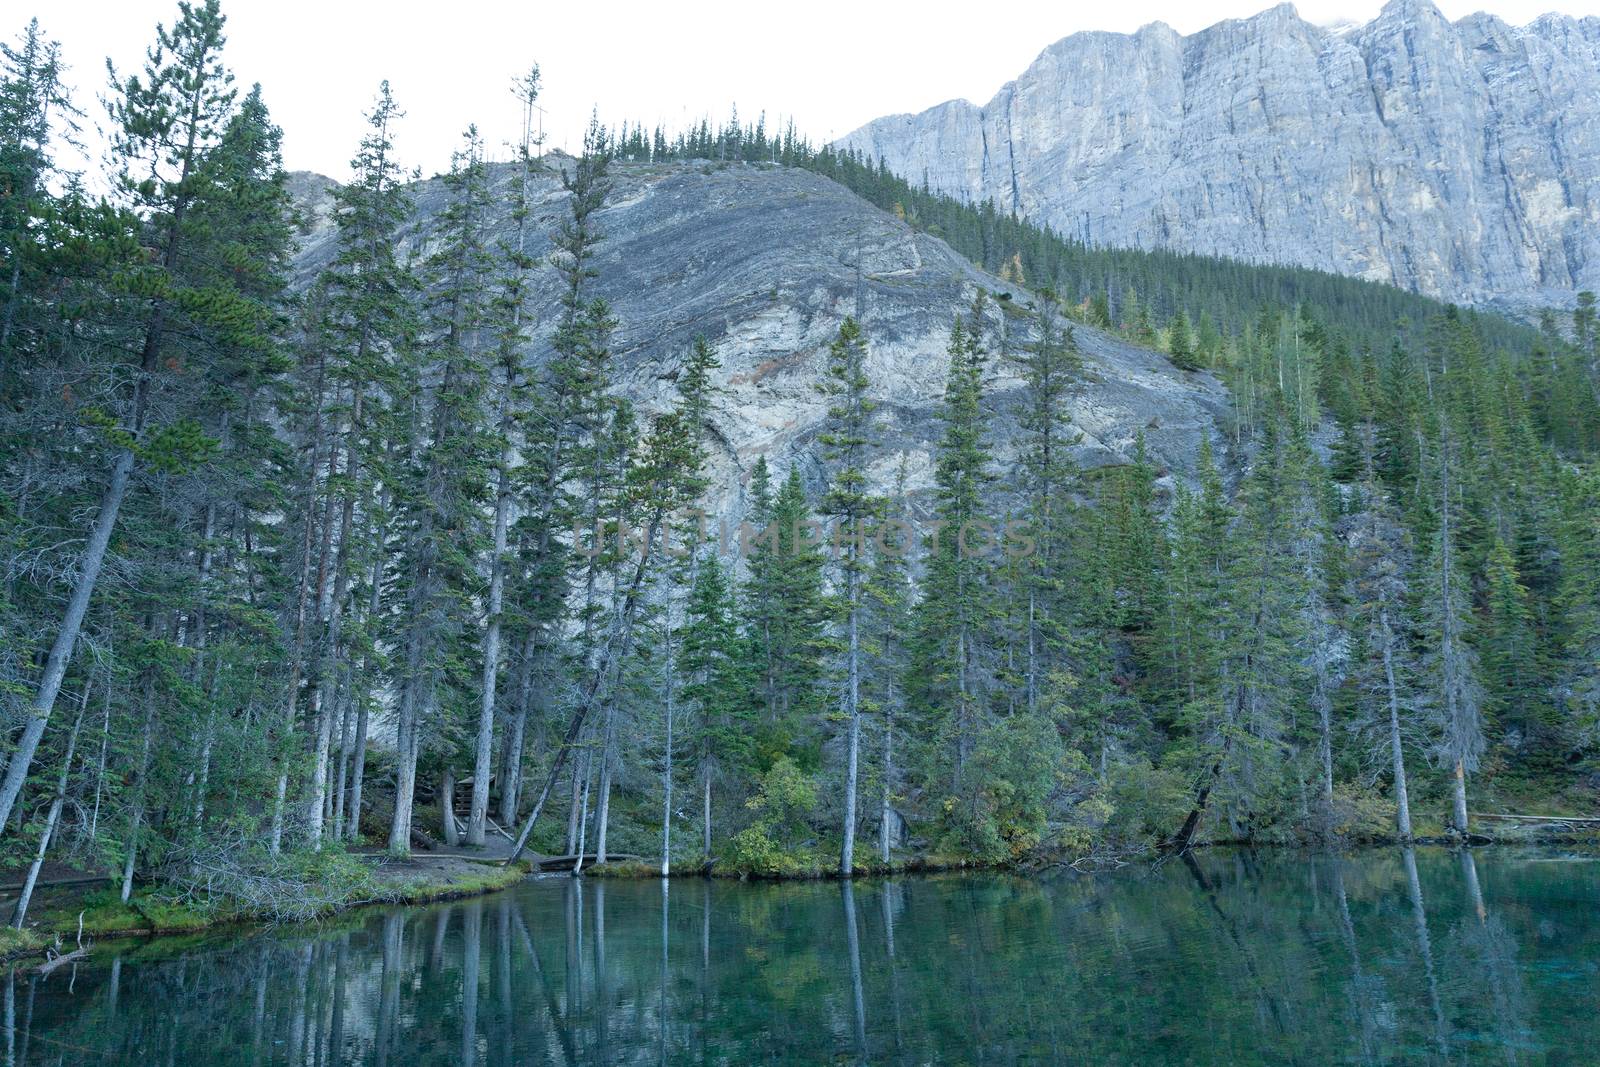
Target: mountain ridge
765 261
1454 159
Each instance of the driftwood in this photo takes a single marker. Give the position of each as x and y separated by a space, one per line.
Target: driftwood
566 863
53 962
1586 819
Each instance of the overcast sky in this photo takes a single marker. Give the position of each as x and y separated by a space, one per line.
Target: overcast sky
830 65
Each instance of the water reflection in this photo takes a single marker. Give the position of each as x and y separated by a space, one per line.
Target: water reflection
1382 957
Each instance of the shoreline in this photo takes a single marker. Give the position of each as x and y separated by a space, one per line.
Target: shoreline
418 879
465 878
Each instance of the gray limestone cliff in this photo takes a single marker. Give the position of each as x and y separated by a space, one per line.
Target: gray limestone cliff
1460 160
766 262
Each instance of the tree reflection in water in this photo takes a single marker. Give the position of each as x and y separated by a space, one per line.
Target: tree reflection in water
1381 956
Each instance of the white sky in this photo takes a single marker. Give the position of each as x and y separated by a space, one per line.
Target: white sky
831 65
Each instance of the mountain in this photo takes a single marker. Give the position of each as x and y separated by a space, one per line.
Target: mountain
1460 160
766 262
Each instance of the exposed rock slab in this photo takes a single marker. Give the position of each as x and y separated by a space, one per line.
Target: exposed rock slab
766 262
1460 160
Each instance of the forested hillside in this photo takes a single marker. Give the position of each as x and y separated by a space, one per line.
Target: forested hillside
288 569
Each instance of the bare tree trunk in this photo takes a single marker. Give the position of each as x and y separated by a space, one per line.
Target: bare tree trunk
19 914
1402 796
1185 835
705 817
1033 652
358 766
516 734
137 822
55 669
319 768
200 778
342 771
297 646
603 809
583 818
1459 808
853 710
447 808
491 637
100 767
358 769
884 841
406 751
666 763
579 770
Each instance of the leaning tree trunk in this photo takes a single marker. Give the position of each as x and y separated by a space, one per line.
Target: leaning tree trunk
617 651
55 668
19 914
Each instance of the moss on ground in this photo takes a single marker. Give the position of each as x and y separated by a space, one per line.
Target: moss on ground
465 878
19 942
155 910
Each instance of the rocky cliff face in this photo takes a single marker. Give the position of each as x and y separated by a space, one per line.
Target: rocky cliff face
766 262
1461 160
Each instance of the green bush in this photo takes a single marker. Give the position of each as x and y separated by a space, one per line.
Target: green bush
770 846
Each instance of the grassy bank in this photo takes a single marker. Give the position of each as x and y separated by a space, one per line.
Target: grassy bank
97 912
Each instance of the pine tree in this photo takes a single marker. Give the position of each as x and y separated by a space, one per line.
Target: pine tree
1049 366
957 603
1450 660
512 404
1380 561
443 495
164 124
360 324
1190 640
1508 655
35 110
1577 598
788 610
717 682
888 601
847 442
1181 344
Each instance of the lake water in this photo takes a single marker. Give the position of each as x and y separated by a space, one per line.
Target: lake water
1236 958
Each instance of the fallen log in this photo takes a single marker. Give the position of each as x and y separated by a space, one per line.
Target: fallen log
51 964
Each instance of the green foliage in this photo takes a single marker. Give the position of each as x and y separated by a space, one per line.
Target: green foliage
771 846
1389 548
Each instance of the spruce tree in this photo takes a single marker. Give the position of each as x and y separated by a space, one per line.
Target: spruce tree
164 123
442 496
847 442
957 603
1450 660
1181 344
